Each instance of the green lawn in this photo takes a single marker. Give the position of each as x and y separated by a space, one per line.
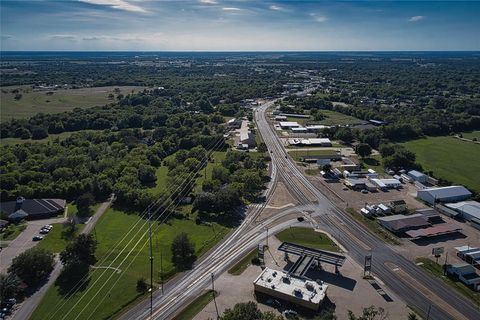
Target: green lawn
110 229
299 153
50 138
33 102
243 264
196 306
57 239
337 118
300 121
449 158
12 231
437 271
471 135
308 238
161 182
217 157
373 162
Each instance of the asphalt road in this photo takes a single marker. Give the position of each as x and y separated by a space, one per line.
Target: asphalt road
412 284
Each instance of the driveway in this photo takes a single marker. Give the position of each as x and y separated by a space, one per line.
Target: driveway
23 241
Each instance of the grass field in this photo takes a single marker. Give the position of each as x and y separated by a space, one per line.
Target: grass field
471 135
217 157
449 158
33 102
196 306
437 271
373 162
308 238
337 118
57 239
243 264
113 225
51 137
161 182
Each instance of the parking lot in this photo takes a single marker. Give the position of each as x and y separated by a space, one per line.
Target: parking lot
23 241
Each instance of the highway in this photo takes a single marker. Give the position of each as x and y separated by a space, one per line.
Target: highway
413 285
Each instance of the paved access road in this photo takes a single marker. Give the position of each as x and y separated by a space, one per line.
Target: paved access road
413 285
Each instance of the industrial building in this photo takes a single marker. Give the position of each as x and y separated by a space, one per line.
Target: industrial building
280 118
469 254
468 210
444 194
302 292
400 223
466 273
285 125
246 139
417 176
386 183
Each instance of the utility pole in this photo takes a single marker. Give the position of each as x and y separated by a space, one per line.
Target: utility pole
161 270
266 240
151 262
214 300
428 313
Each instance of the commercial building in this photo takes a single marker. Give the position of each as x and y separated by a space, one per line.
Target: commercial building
297 290
299 130
316 128
32 208
400 223
470 254
436 230
246 139
444 194
280 118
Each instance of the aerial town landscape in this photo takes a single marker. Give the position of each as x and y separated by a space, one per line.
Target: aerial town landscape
196 180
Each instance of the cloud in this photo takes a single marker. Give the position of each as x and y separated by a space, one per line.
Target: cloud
116 4
275 8
6 37
318 18
208 1
416 18
231 9
67 37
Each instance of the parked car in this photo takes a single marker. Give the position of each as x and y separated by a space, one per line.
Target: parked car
364 191
289 314
37 238
44 231
47 226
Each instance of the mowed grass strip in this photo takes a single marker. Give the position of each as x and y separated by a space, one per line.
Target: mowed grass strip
243 264
33 102
196 306
111 228
58 238
437 270
307 237
449 158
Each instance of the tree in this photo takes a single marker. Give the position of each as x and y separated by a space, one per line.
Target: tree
262 147
401 159
39 133
344 134
9 286
248 311
84 202
183 252
370 313
82 249
142 286
32 266
364 150
327 167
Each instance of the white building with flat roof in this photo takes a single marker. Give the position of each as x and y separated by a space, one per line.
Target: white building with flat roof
288 124
300 291
444 194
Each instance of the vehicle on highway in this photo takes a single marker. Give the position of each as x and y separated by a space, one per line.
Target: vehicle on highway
37 238
300 219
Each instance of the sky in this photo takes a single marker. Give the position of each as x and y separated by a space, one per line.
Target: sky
239 25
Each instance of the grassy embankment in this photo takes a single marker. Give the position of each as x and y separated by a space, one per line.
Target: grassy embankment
33 102
12 231
243 264
196 306
307 237
374 227
58 238
112 226
449 158
437 271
